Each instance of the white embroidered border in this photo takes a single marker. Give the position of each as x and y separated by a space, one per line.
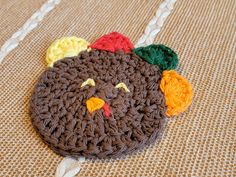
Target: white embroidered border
69 167
154 26
30 24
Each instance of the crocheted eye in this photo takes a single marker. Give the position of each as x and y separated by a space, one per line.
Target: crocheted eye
89 81
122 85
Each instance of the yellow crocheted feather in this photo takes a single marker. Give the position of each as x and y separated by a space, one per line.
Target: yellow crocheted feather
65 47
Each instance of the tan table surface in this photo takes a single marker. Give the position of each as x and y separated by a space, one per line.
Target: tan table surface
200 142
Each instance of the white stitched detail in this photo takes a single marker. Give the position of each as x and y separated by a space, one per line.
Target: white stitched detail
154 26
29 25
69 167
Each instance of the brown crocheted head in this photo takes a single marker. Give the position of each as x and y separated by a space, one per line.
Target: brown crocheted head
101 103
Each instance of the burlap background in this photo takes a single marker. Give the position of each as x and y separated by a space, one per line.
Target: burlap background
201 142
13 14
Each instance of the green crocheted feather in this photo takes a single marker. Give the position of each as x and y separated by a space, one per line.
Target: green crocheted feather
160 55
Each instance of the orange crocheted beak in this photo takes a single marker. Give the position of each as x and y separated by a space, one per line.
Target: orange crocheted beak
94 104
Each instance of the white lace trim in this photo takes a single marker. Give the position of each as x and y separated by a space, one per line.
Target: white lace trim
69 167
154 26
30 24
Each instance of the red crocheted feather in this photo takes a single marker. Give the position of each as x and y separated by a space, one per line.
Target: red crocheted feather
112 42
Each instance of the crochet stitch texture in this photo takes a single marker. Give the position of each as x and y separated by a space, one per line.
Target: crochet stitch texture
160 55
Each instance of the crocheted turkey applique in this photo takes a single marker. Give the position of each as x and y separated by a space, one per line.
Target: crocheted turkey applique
106 99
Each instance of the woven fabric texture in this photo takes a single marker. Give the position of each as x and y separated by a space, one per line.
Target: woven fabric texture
13 14
200 142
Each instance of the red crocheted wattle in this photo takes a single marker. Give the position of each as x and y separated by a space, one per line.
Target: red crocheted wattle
113 42
107 110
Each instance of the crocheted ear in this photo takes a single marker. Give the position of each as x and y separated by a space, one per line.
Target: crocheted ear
112 42
65 47
159 55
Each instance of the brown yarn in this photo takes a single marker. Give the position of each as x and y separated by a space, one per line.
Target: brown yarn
59 113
